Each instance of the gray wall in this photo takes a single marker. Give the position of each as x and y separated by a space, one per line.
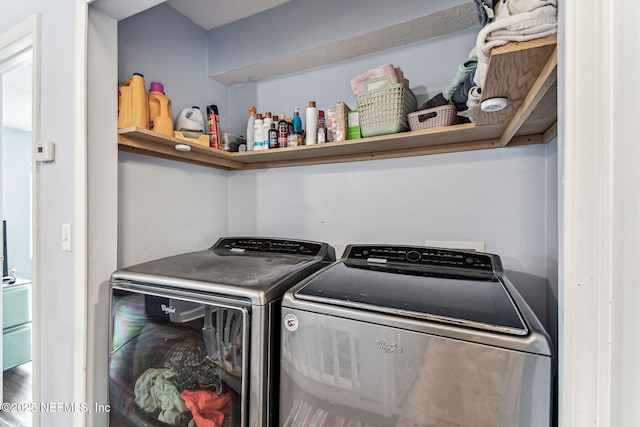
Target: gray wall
166 207
304 24
552 236
498 197
16 198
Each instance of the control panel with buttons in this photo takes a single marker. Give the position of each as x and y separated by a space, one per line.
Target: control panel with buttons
422 256
280 246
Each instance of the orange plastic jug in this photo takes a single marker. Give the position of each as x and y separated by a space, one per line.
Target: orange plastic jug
133 104
160 115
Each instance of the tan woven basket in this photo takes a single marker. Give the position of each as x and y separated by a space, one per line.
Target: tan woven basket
445 115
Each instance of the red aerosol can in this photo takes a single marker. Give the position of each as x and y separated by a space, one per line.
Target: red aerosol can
213 121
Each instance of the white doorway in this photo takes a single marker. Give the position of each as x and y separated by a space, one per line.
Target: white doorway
18 129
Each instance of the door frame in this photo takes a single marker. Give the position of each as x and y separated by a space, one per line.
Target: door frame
30 29
80 210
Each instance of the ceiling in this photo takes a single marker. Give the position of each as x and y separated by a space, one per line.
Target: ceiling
210 14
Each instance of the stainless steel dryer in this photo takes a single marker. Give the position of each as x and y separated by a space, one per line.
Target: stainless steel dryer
195 337
413 336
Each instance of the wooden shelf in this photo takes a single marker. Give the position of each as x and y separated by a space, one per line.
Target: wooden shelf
523 72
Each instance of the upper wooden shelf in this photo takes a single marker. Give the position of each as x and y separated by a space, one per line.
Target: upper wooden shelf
523 72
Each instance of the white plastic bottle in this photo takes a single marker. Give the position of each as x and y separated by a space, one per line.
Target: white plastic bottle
258 132
266 125
311 124
250 123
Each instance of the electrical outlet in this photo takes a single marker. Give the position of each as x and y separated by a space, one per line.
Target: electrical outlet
66 237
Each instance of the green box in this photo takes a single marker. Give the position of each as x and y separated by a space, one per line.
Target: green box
353 125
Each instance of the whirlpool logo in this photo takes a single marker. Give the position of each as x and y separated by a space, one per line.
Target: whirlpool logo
167 309
389 348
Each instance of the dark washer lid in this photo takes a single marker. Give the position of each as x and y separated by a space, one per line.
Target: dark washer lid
259 269
429 284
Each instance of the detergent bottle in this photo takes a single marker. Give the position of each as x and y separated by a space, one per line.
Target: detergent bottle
190 122
133 104
160 115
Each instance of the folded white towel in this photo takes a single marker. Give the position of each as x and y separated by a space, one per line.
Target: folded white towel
525 26
536 23
505 8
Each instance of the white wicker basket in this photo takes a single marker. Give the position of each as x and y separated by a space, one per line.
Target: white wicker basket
445 115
